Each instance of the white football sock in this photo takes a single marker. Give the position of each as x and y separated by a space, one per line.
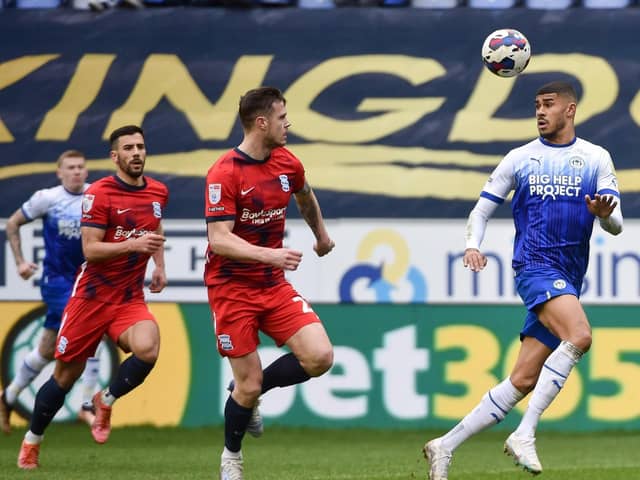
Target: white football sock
90 380
492 409
107 398
32 438
31 366
552 377
226 453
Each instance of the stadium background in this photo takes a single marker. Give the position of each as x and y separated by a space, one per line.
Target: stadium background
398 125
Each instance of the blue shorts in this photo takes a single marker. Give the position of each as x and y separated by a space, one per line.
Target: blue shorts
55 296
535 288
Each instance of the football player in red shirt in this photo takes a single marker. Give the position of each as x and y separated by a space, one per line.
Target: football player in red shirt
248 192
121 229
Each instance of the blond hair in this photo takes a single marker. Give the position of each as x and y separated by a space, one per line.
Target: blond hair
69 154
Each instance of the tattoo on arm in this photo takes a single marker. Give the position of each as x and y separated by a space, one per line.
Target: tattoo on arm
306 189
309 208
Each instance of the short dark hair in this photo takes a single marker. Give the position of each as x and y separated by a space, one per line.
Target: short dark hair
70 154
559 87
122 131
256 102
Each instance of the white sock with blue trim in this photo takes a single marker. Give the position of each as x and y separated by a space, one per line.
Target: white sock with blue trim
30 368
492 409
551 380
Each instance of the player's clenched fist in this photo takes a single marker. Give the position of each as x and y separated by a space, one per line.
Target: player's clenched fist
285 258
322 247
149 243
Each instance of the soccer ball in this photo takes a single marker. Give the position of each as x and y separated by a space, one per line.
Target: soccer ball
506 52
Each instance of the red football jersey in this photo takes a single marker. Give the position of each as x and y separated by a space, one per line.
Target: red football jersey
255 194
122 211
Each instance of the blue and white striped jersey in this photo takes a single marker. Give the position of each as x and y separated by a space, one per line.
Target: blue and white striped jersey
61 212
553 225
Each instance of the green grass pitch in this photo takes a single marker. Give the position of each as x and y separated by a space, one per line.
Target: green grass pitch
69 453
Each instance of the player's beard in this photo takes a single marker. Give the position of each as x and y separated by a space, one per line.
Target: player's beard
550 134
273 142
133 172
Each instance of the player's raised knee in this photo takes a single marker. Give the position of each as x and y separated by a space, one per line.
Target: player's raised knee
582 340
146 350
321 362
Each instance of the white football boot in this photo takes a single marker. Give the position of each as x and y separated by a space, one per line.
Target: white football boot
231 468
523 451
439 459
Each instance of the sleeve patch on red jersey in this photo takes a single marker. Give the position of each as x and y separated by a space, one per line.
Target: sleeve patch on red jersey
215 192
157 209
87 202
284 183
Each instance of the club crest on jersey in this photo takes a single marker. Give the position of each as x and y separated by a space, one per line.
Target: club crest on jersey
62 344
284 183
215 192
157 209
576 162
559 284
225 342
87 202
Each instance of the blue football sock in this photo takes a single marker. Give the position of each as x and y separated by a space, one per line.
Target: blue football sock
49 400
283 372
236 419
131 373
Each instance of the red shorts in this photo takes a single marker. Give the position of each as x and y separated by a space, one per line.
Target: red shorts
239 312
85 321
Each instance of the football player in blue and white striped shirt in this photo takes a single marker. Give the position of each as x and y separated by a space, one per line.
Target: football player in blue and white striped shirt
60 209
560 184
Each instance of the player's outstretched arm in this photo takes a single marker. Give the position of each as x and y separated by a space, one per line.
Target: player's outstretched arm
310 210
474 259
15 221
474 234
607 209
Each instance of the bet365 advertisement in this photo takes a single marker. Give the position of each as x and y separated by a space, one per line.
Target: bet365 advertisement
396 366
418 338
